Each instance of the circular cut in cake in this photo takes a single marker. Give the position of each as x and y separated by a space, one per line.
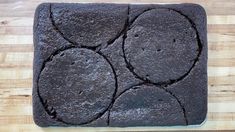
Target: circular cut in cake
161 46
78 85
146 105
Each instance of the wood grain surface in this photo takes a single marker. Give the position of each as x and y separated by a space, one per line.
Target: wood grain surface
16 56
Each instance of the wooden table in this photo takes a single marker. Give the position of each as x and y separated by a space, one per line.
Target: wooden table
16 55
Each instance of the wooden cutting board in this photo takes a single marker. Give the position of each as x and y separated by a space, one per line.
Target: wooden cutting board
16 55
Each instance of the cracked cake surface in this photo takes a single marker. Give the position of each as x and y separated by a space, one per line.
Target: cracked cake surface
119 65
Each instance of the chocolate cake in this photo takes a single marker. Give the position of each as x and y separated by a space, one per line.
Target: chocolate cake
119 65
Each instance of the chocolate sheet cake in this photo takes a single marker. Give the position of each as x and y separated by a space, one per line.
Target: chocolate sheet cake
119 65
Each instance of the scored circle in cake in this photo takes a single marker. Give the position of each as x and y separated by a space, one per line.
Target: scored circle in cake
161 45
81 85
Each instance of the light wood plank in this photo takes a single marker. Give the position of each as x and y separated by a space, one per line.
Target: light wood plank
16 48
221 71
221 54
16 21
221 19
16 83
225 80
221 28
221 62
16 30
16 39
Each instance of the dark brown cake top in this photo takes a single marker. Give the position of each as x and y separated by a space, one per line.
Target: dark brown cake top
119 65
